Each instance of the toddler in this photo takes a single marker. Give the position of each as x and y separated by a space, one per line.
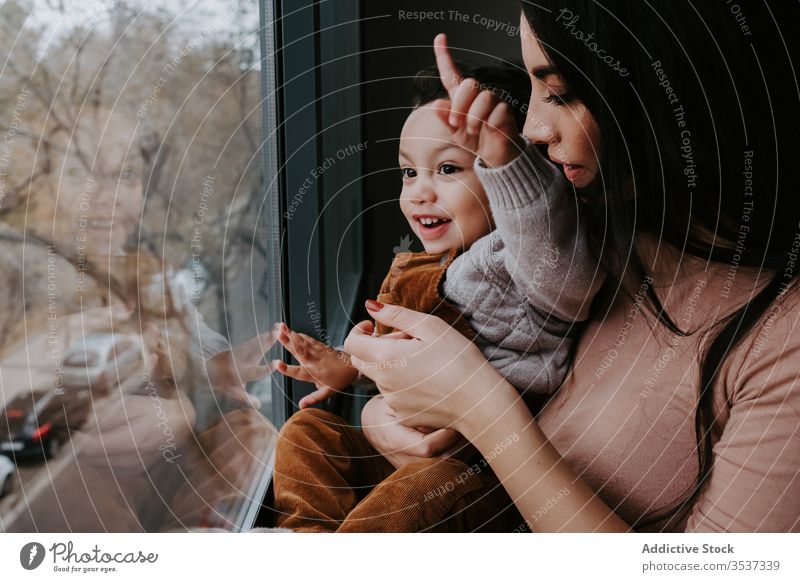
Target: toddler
506 261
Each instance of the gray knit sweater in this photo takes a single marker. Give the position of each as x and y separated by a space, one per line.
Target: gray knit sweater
524 286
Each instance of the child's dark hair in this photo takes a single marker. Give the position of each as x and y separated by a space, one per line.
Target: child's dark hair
511 83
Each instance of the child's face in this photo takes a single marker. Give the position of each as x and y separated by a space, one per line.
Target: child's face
439 182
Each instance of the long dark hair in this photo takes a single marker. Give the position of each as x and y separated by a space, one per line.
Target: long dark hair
688 96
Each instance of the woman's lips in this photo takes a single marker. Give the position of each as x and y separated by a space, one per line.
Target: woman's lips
573 173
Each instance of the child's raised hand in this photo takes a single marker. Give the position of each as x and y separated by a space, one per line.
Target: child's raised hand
328 369
476 112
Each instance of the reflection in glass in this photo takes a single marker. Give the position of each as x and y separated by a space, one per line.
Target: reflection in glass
131 358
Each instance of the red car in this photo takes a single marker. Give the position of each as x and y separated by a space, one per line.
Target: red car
38 423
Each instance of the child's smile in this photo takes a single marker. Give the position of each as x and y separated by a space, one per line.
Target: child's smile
432 228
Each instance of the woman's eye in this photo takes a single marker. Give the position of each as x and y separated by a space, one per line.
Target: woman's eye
78 173
129 174
448 169
558 100
408 172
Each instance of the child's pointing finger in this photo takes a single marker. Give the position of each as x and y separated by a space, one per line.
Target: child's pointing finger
448 71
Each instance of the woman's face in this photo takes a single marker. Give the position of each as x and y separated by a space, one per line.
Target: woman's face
93 196
556 118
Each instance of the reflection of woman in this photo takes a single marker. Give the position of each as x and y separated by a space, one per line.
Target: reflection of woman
63 237
681 411
68 275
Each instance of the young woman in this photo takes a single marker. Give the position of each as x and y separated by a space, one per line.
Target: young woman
677 124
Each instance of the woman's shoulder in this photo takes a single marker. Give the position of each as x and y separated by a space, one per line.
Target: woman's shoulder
753 485
764 364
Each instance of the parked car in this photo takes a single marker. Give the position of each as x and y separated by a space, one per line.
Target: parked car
7 472
39 422
101 361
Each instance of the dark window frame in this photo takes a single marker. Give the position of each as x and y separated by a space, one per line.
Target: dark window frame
310 52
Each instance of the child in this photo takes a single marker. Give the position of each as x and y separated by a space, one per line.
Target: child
510 269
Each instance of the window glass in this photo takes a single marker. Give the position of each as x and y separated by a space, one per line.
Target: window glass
134 247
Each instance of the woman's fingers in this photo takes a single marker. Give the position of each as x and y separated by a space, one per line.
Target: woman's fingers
365 348
365 327
397 335
435 443
448 71
413 323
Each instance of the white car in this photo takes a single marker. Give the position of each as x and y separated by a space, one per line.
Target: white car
101 361
7 471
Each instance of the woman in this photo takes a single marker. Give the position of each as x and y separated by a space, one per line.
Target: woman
677 124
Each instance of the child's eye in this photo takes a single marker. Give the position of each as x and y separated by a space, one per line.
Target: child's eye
558 100
408 172
448 169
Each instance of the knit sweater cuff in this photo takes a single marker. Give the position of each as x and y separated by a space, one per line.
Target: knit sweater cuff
208 343
522 181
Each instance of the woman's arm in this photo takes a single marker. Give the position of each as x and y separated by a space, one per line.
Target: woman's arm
439 378
754 485
545 489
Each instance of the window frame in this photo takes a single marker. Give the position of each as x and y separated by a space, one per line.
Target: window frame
307 119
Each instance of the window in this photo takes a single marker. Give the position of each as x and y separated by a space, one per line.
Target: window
322 168
175 177
138 243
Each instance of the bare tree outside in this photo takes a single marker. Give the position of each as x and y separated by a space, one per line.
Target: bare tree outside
130 196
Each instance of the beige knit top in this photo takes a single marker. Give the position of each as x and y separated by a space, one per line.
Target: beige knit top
624 418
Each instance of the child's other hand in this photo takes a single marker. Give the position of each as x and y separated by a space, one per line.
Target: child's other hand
483 119
328 369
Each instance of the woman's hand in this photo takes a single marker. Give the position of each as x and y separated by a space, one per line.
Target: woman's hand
477 111
401 445
437 378
443 380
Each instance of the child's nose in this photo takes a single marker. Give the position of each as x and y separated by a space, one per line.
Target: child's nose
424 192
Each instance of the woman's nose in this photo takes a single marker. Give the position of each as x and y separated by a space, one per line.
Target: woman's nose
538 129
